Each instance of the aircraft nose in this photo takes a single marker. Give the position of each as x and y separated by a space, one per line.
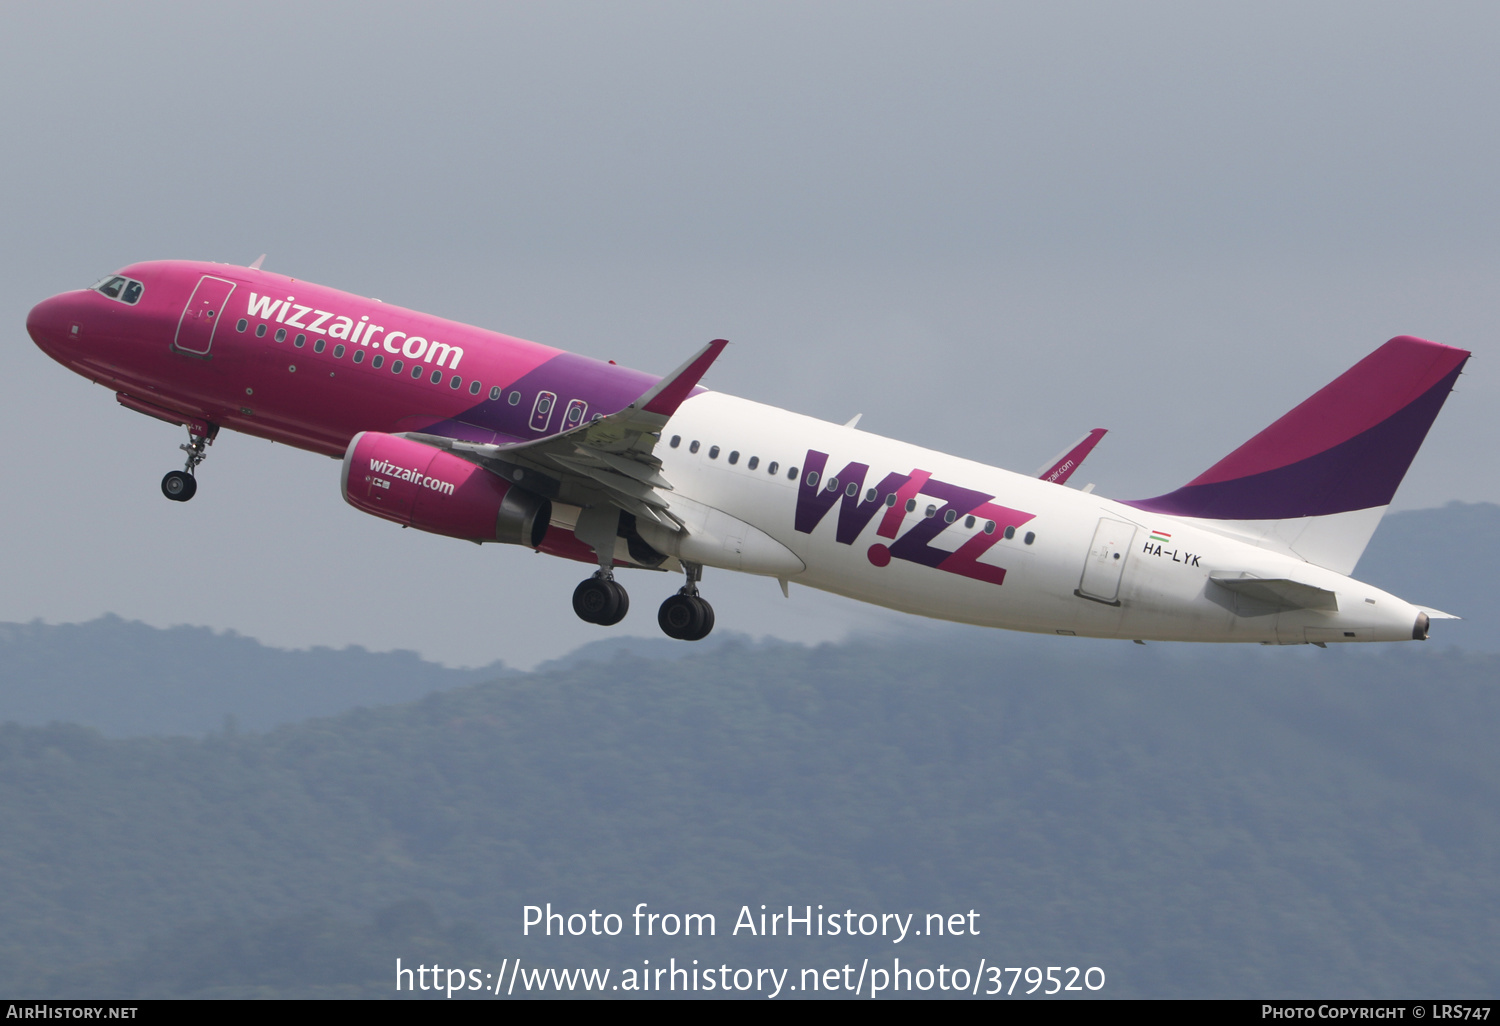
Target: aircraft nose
51 324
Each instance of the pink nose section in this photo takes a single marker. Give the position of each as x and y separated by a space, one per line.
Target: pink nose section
51 323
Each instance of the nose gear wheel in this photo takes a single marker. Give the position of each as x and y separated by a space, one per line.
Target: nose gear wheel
182 485
179 486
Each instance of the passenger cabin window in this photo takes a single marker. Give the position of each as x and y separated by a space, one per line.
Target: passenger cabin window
713 452
495 393
280 335
752 463
693 445
376 361
772 467
474 387
734 457
676 441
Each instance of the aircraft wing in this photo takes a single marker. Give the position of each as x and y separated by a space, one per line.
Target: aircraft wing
609 459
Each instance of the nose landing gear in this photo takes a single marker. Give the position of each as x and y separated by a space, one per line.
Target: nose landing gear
179 486
182 485
685 616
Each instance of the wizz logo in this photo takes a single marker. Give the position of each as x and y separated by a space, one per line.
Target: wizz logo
858 507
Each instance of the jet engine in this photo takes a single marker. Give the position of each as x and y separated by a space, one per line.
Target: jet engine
419 486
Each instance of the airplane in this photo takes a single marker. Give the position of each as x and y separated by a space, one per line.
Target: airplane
469 433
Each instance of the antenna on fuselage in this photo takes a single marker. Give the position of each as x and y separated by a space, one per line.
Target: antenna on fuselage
258 261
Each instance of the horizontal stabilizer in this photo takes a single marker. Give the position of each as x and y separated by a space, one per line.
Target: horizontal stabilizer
1277 592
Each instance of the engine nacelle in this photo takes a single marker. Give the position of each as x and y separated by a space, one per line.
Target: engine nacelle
419 486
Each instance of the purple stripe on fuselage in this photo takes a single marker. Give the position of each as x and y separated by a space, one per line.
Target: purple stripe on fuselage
1357 474
606 387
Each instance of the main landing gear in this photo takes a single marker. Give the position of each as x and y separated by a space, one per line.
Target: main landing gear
684 616
601 599
182 485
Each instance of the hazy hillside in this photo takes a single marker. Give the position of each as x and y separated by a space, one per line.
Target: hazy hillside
1195 821
128 679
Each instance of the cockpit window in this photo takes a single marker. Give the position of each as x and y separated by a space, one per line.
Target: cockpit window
124 290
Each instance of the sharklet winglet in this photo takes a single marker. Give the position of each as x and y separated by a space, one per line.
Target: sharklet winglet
1061 466
668 393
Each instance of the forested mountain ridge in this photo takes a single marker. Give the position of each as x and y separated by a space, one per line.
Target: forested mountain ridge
1196 821
130 680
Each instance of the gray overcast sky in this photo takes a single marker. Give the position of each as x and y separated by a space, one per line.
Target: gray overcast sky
988 227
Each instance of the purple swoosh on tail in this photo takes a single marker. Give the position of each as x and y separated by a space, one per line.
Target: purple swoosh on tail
1373 390
1358 473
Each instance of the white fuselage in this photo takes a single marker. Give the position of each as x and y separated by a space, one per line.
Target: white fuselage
1142 587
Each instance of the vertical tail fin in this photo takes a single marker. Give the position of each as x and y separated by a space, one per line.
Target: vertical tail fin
1316 482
